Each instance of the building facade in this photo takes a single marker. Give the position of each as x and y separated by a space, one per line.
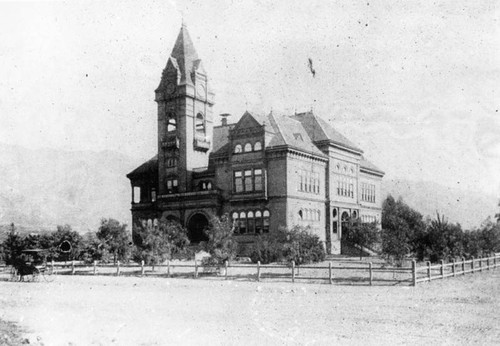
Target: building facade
263 171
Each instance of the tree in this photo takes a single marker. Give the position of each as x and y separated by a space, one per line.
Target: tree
65 235
443 240
402 230
155 243
364 235
115 239
297 244
221 244
12 246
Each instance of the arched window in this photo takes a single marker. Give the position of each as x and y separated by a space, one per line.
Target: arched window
301 215
243 222
238 149
265 221
318 215
250 222
171 122
334 213
155 222
236 225
354 214
209 185
200 124
258 222
257 146
248 147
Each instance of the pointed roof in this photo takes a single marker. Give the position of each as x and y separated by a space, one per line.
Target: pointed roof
149 167
319 130
185 54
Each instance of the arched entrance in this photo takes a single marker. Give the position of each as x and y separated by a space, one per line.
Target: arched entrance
196 227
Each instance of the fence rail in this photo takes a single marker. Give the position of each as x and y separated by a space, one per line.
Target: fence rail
360 272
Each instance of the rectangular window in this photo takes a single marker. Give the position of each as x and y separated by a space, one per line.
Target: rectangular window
172 186
238 181
248 180
258 179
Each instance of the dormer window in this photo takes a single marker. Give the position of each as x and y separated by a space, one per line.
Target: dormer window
248 147
257 146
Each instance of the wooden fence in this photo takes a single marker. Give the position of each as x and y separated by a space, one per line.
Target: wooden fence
350 272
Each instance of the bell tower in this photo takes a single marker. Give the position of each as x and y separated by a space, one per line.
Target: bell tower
185 118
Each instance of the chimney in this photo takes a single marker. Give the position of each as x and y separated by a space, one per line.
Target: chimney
224 118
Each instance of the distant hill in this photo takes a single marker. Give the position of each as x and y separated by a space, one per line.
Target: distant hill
469 208
43 188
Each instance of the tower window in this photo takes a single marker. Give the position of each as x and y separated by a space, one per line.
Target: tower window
257 146
248 147
172 185
200 124
171 122
238 149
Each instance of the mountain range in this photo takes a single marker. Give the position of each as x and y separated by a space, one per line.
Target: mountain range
43 188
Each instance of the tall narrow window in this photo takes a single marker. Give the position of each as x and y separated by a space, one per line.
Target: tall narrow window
136 191
265 221
248 180
258 222
200 125
236 225
153 195
171 122
258 179
238 181
250 222
243 222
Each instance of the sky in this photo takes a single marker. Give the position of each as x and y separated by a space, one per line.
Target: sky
414 83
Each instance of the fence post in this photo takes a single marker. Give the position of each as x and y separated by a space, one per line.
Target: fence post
195 268
293 271
472 264
480 263
95 267
258 270
226 265
73 267
442 269
52 264
453 268
168 268
142 268
494 262
330 272
371 273
117 268
488 263
429 270
414 272
463 265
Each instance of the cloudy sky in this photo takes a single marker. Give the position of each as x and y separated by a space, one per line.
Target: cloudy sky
414 83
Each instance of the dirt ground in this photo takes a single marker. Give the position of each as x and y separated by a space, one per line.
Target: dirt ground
104 310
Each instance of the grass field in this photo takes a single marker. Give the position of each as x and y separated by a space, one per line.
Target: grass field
104 310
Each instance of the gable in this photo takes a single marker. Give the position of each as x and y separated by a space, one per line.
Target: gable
246 122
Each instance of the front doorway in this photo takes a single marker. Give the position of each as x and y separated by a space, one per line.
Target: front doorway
196 226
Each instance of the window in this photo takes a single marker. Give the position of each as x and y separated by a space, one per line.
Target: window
345 187
171 162
136 194
251 222
153 195
308 181
257 146
248 180
205 185
172 185
243 222
301 215
248 147
238 181
200 124
258 179
238 149
171 122
368 192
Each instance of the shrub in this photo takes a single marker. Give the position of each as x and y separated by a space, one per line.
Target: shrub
296 244
365 235
220 245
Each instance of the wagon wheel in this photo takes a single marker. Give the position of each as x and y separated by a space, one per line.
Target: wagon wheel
48 274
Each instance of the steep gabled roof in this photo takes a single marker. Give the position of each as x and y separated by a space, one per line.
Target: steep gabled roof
367 165
149 167
319 130
290 132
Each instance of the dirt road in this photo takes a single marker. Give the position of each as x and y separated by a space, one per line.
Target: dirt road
86 310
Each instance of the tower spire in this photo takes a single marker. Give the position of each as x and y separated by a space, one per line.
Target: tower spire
184 53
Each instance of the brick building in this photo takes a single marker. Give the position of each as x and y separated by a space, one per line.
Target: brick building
263 171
